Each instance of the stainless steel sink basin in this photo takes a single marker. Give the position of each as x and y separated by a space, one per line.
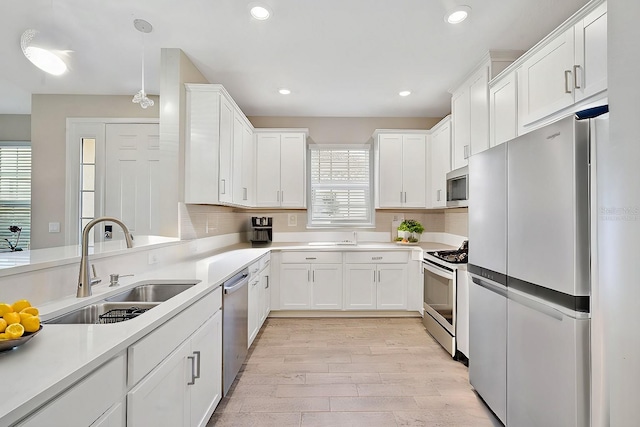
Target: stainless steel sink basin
106 312
154 292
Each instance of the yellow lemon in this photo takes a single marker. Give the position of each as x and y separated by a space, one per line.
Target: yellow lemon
24 316
14 331
20 305
31 324
3 336
31 310
3 325
5 308
11 318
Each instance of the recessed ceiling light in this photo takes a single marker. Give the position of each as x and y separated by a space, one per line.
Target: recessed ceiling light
260 11
44 59
457 14
284 91
405 93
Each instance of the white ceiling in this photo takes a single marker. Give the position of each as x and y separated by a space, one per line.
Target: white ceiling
345 58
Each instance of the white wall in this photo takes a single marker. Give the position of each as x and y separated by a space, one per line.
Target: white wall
15 127
619 233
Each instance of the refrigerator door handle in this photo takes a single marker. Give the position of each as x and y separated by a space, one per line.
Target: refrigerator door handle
537 306
490 286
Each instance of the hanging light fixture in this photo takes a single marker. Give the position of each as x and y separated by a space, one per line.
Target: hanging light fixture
141 97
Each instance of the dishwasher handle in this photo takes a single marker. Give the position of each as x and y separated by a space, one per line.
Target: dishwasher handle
236 285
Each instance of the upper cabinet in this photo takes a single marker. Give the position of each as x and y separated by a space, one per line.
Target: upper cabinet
218 150
439 163
281 168
565 69
503 109
470 107
401 165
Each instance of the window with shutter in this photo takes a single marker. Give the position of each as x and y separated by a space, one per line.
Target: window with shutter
15 192
340 186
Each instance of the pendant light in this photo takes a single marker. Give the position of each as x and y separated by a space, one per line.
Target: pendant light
141 97
45 59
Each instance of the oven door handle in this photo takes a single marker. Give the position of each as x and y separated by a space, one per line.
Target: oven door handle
438 271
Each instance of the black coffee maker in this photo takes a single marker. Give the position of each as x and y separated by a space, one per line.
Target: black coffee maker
262 234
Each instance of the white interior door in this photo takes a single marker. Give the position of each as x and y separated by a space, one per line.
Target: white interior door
132 175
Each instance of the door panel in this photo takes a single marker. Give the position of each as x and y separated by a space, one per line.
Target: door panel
361 286
414 170
392 287
327 286
390 171
268 170
292 173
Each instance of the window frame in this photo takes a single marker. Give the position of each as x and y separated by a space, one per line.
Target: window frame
343 223
25 237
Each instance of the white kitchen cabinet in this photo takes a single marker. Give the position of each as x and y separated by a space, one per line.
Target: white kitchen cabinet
280 169
470 107
100 392
265 278
567 67
503 109
116 416
186 387
225 194
254 310
243 161
439 162
376 280
311 280
326 286
294 286
401 170
259 296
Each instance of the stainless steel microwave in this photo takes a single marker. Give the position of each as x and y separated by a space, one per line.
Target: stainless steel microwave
458 187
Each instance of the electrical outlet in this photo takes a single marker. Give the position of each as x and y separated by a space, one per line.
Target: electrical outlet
54 227
153 258
292 220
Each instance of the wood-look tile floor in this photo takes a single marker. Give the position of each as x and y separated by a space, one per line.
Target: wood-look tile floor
350 372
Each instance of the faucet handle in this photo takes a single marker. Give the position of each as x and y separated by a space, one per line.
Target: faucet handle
95 279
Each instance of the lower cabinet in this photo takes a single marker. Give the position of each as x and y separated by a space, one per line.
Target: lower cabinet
114 417
376 286
259 296
311 286
186 387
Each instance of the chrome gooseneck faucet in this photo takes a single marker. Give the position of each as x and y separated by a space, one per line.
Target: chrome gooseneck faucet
84 280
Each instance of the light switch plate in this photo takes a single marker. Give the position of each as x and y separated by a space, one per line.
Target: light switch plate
54 227
292 220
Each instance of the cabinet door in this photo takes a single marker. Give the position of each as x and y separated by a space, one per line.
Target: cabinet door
545 82
162 397
202 147
292 170
590 72
461 119
440 164
114 417
503 110
392 286
265 278
248 166
361 286
226 147
254 309
326 286
414 171
390 193
268 170
238 159
206 392
479 111
294 286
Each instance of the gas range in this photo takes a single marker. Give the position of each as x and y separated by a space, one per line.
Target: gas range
455 256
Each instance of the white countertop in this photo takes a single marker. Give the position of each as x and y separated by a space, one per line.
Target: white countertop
63 354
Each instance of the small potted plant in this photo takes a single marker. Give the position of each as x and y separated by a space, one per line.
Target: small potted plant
409 231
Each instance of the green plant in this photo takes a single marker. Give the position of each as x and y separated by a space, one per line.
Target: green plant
411 225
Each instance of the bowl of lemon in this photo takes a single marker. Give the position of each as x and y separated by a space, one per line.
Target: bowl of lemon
19 322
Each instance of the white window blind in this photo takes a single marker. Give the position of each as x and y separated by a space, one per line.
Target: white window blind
340 186
15 192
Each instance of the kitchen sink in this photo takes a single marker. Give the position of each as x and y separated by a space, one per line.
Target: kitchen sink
106 312
153 292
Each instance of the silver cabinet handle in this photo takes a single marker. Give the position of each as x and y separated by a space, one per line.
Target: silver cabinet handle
245 193
224 186
405 197
439 195
313 276
374 277
310 257
401 197
193 370
378 276
282 196
567 76
267 286
575 76
278 195
466 151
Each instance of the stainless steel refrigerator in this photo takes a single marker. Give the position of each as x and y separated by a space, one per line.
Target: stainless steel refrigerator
541 306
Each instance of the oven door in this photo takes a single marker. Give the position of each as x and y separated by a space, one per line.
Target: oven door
439 295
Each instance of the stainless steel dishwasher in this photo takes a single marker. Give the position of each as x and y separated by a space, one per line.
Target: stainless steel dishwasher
234 327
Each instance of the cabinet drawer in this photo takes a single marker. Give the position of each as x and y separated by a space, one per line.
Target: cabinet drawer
265 261
377 257
87 400
147 353
254 269
312 257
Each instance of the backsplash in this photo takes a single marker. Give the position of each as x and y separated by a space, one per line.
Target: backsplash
199 221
